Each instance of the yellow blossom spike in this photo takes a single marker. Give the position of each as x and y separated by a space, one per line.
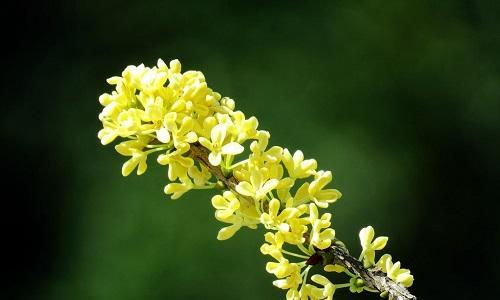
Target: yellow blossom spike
198 134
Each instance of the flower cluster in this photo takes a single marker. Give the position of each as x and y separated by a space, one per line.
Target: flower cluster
393 271
164 111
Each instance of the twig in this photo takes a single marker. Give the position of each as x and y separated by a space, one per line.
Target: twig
200 153
373 278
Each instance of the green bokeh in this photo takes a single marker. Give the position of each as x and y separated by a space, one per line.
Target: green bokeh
381 94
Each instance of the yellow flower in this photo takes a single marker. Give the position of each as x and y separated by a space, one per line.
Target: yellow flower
129 122
394 271
320 196
320 238
110 111
258 187
273 246
321 293
114 98
293 293
138 160
314 191
228 103
182 134
204 126
196 94
259 152
302 195
273 219
175 67
107 135
217 146
366 236
150 80
200 176
260 144
227 232
298 167
178 165
154 109
292 278
249 210
178 189
282 268
226 205
244 128
295 233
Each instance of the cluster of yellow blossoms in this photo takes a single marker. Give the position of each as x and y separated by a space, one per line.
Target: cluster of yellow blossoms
162 110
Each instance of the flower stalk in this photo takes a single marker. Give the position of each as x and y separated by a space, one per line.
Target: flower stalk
373 278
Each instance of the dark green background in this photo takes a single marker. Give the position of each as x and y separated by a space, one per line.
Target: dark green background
400 99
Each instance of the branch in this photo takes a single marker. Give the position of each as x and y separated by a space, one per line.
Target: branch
200 153
372 278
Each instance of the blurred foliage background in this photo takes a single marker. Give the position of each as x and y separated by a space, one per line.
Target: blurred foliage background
400 99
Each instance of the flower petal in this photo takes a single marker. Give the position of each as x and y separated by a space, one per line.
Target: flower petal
269 185
218 134
205 143
163 135
379 243
366 236
215 158
227 232
245 189
232 148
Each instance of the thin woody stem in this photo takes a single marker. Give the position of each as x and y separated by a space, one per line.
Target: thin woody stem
372 277
200 153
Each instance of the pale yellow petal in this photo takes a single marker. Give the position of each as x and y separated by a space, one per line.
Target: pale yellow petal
380 242
245 189
232 148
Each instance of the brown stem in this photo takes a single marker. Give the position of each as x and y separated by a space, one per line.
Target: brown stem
373 278
200 153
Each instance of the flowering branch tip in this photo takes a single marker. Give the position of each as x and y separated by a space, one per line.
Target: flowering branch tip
200 137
